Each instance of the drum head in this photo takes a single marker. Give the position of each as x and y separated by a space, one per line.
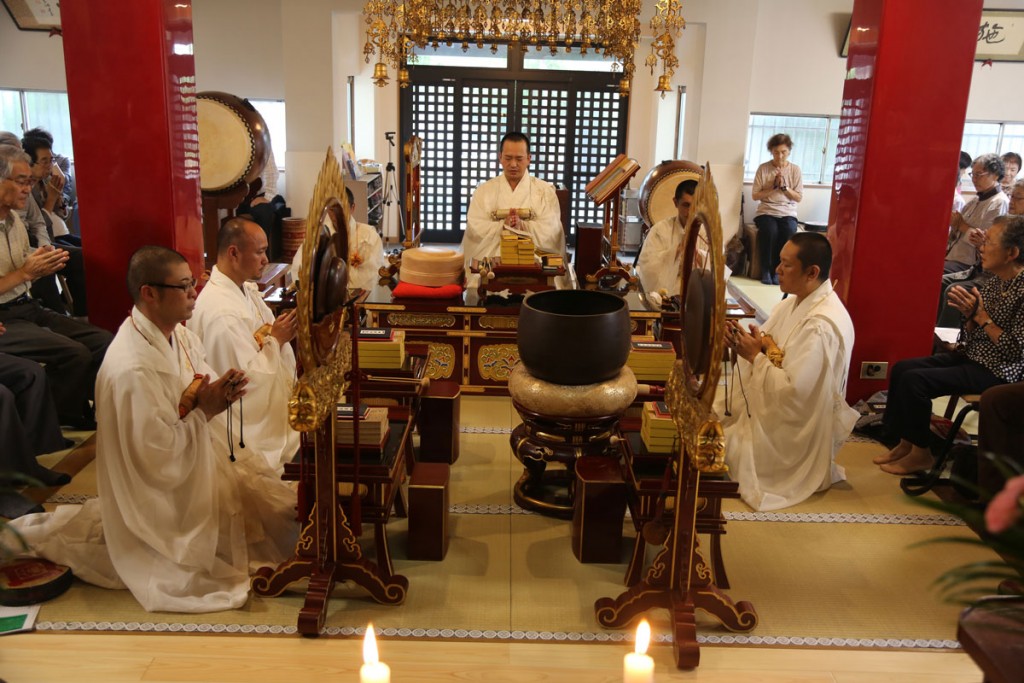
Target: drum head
658 190
234 144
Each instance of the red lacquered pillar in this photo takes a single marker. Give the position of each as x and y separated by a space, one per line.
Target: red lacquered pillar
908 79
131 91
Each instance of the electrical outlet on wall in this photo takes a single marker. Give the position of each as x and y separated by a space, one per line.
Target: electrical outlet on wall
874 369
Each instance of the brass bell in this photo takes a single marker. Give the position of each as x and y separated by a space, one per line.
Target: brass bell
380 74
624 87
663 84
403 78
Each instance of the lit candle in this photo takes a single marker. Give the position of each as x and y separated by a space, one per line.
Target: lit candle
637 667
373 670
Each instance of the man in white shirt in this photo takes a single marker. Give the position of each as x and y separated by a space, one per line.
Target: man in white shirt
658 264
239 331
510 195
781 441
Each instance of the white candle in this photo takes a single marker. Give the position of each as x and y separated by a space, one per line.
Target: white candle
373 670
637 667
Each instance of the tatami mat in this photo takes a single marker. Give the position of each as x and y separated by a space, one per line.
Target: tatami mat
513 575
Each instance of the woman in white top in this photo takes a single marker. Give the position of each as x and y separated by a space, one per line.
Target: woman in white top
778 186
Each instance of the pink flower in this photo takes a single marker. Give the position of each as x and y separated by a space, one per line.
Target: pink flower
1005 508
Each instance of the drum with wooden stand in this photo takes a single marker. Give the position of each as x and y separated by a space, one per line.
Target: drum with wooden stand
234 146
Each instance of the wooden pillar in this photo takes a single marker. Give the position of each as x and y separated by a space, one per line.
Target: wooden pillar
131 91
907 83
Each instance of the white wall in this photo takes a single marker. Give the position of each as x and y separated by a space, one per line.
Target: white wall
239 51
30 59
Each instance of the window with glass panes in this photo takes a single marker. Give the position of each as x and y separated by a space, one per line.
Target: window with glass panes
462 103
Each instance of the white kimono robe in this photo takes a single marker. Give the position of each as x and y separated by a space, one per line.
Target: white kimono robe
483 234
658 265
225 318
364 247
785 450
169 522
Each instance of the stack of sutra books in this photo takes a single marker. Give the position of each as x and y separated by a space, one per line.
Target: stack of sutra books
373 426
382 348
657 430
651 360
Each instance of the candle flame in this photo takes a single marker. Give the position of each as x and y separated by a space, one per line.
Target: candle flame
643 637
370 646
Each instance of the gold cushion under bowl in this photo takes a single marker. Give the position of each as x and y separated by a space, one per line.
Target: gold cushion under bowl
611 397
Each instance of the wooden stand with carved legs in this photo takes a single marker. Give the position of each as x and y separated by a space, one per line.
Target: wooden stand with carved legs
680 581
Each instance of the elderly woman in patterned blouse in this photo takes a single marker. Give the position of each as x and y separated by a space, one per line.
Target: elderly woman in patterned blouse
992 353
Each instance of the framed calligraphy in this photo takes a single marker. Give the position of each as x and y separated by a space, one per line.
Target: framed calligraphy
1000 36
34 15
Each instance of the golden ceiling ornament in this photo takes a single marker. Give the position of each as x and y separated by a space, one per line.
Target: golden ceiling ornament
394 30
666 24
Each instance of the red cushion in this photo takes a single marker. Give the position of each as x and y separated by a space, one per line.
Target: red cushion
404 290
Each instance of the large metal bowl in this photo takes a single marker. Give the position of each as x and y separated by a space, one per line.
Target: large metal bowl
571 336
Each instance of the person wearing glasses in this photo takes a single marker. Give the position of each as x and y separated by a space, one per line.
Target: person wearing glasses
176 521
44 216
992 350
967 227
239 331
72 350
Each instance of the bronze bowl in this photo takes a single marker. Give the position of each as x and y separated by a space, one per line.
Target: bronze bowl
572 336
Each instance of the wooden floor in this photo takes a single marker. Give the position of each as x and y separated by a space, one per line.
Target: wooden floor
117 658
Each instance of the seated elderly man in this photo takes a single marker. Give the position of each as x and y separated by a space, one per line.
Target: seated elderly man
993 351
502 202
781 445
658 264
72 350
176 522
239 331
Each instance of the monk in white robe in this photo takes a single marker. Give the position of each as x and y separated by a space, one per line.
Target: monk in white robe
176 522
782 438
365 251
239 331
658 264
516 189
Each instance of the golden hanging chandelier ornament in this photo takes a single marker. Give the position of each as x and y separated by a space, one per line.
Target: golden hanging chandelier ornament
394 30
665 26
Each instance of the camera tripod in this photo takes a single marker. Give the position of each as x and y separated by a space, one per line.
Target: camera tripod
391 193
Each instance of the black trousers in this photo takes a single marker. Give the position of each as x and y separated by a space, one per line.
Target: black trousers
72 351
772 233
916 381
28 418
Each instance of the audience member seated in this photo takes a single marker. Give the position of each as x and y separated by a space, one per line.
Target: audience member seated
660 258
782 440
993 351
967 227
778 186
365 250
28 422
958 198
1011 162
967 230
239 331
72 350
515 188
176 521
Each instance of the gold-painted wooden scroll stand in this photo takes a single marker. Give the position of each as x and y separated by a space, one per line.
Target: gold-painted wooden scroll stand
327 551
680 578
